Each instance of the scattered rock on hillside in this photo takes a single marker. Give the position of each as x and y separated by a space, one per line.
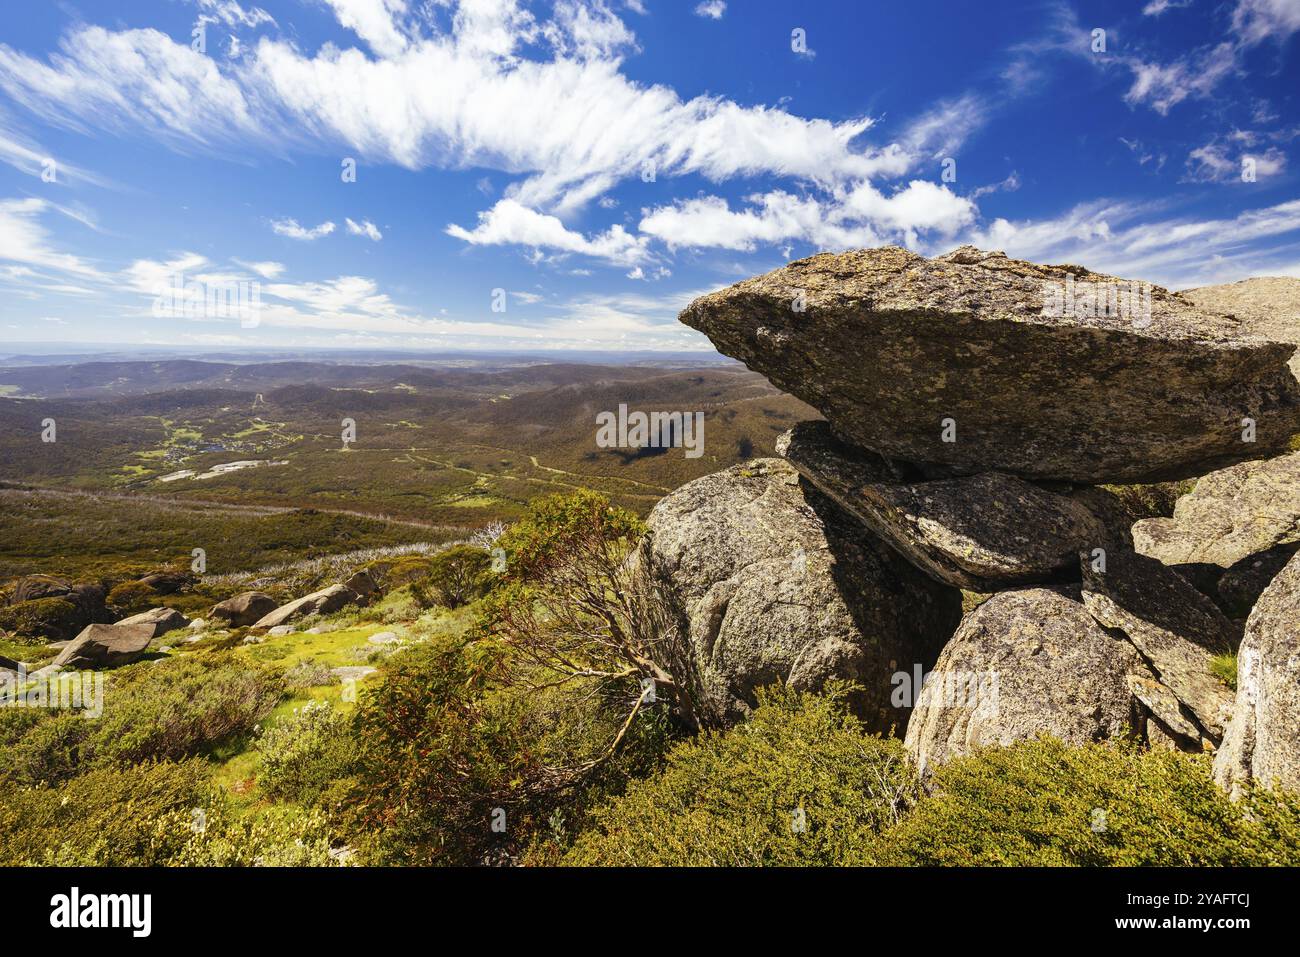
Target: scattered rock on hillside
106 646
317 603
1176 628
363 584
1267 306
50 619
32 587
979 532
1263 739
353 672
1025 663
167 583
769 581
892 348
162 620
246 608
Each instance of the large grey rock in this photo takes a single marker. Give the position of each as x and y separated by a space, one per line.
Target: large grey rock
32 587
890 345
363 583
1173 719
1263 738
168 583
1267 306
1025 663
162 620
106 646
769 581
245 608
1230 515
1176 628
317 603
979 532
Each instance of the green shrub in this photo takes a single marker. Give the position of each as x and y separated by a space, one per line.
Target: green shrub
403 571
279 836
130 598
798 783
305 754
1044 803
457 576
165 710
52 619
309 674
445 744
109 817
437 753
151 815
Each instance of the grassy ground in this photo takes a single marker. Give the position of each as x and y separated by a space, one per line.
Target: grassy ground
343 642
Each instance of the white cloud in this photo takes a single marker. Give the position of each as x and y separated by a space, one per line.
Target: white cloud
290 228
146 276
1162 87
24 240
1223 160
1257 20
374 21
511 223
712 9
1157 7
863 216
231 14
267 270
364 228
588 29
571 128
1009 185
1130 240
27 156
134 77
1199 73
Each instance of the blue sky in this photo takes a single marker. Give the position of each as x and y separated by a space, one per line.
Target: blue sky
604 161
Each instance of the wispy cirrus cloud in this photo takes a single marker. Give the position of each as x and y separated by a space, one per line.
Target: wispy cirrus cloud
292 229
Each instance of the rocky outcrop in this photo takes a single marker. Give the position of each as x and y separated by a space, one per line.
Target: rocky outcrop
1231 514
317 603
42 606
980 532
1267 306
106 646
246 608
951 363
1025 663
162 620
1233 532
32 587
1177 629
769 581
168 583
363 584
1263 739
